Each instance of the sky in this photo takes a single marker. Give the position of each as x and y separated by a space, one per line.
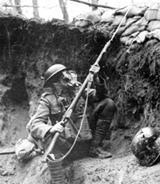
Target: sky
50 8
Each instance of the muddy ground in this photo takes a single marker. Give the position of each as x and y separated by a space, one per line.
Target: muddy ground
28 48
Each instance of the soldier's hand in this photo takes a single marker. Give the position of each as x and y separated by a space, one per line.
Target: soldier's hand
57 128
91 92
94 69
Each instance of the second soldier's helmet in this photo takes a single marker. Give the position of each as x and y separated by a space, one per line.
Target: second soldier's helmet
145 147
52 71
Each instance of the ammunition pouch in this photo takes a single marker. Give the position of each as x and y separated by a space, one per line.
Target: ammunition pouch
72 128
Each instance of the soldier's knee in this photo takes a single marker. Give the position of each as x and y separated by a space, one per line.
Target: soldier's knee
109 106
110 103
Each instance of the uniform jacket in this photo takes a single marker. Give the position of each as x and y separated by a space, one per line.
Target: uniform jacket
51 109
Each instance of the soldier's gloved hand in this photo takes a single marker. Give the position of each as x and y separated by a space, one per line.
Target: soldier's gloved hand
57 128
94 69
91 92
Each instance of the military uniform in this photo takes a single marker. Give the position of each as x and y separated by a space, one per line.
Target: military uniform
103 117
54 103
50 110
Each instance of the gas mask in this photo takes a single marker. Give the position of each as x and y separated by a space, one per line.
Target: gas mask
69 79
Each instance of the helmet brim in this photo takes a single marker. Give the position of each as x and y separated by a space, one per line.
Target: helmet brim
51 76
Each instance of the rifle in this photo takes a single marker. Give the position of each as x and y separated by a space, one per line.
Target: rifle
93 70
7 151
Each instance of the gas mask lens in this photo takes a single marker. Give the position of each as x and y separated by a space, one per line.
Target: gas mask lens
65 79
70 78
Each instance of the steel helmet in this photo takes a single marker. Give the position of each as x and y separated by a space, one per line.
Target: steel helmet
144 146
52 71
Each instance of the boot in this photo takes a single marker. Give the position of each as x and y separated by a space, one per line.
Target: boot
96 149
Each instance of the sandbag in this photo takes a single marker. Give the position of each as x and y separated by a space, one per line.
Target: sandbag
117 20
155 6
129 39
129 22
93 17
121 30
134 10
82 23
142 22
84 20
153 25
154 34
151 14
126 40
133 35
132 20
107 16
158 15
132 29
141 37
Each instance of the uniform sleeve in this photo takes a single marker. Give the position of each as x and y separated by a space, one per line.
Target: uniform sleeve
38 125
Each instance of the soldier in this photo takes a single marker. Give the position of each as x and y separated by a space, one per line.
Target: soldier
60 87
102 120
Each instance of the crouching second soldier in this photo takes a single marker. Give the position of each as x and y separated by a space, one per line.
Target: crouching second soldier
102 120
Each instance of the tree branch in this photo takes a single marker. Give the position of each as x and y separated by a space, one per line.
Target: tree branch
95 5
29 6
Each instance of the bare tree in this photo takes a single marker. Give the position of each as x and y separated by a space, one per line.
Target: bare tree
96 5
10 2
94 2
35 8
62 4
18 6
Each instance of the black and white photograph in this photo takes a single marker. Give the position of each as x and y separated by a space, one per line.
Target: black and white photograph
79 92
